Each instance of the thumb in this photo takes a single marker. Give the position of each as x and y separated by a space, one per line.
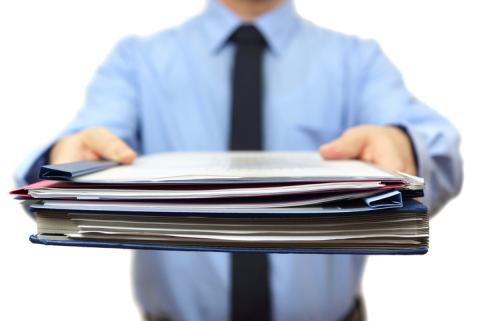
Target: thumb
108 146
347 146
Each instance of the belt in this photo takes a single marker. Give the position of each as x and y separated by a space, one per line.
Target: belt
356 313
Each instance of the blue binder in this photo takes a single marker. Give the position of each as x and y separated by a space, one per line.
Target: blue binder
393 204
135 246
411 206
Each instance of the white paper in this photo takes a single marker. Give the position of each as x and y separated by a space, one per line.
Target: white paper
172 193
263 166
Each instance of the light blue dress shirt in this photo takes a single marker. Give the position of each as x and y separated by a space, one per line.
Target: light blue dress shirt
171 91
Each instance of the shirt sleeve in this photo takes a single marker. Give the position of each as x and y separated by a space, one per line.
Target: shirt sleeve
111 102
381 98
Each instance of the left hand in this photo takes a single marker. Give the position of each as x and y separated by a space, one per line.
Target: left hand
388 147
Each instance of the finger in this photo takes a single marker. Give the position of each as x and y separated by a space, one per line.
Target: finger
88 154
108 146
389 158
348 146
396 165
390 163
393 151
367 154
68 149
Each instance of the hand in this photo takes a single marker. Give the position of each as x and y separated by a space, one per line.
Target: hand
91 144
389 147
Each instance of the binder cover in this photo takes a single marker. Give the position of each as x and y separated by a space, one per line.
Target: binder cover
237 168
411 207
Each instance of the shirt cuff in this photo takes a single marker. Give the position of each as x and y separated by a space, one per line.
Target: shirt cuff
422 157
409 134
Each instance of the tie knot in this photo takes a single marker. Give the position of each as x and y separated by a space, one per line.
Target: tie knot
248 35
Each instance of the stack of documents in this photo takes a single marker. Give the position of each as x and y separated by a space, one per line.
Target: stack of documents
230 201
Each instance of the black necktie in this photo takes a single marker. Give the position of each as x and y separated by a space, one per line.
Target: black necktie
250 295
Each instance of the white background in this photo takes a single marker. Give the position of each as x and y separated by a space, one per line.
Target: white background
49 51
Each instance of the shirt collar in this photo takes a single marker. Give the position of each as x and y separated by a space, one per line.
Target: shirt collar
277 26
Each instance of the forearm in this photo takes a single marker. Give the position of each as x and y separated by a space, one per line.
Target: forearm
111 104
382 99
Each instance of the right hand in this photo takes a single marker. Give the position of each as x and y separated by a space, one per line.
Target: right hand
91 144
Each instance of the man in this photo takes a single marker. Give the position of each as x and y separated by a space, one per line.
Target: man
249 74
